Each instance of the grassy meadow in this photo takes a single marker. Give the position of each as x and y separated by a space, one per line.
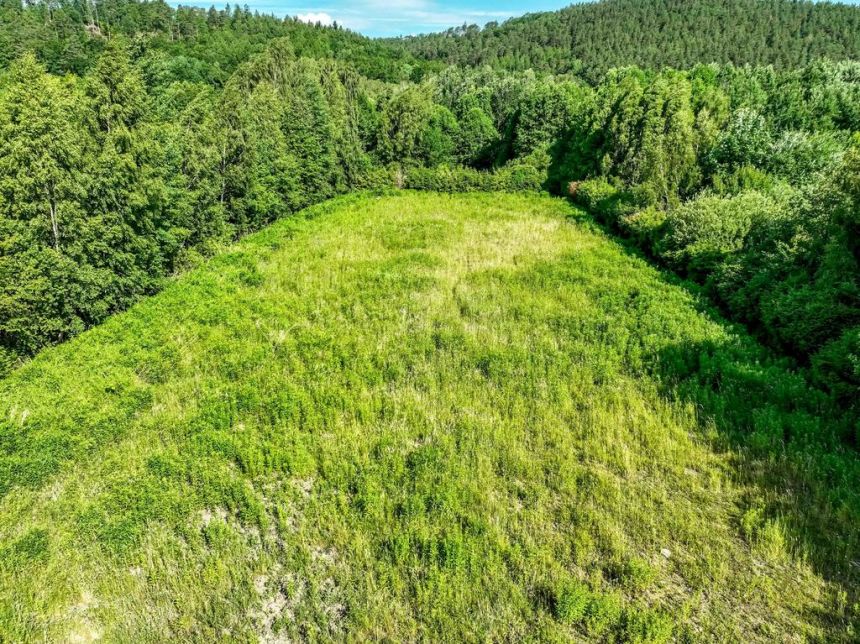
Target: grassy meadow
424 417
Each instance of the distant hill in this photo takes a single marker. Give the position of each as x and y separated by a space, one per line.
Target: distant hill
206 45
595 36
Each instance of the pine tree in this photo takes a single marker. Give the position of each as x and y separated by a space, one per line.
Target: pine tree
41 152
41 218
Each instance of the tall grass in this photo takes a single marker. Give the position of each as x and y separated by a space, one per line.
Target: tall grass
423 417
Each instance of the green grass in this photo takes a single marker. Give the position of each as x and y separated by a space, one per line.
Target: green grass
423 417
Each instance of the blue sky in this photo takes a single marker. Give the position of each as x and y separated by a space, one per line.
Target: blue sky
395 17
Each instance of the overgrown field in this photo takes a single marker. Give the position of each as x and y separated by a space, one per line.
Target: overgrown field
423 417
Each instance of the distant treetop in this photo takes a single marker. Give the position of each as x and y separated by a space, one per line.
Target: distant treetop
593 37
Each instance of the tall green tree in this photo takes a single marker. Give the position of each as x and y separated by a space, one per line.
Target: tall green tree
41 215
41 152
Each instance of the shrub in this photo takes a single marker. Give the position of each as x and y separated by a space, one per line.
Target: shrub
837 366
445 179
701 234
645 227
605 201
592 193
741 180
377 178
516 177
520 176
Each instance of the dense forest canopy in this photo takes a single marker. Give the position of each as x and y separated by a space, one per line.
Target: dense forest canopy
136 138
589 38
187 42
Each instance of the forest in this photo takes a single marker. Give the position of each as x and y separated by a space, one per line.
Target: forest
588 39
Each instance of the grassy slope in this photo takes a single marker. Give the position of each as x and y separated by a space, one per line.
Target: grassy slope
408 416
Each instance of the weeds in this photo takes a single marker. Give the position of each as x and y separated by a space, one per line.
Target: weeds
422 417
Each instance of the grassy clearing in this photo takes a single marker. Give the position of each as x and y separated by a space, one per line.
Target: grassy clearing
422 416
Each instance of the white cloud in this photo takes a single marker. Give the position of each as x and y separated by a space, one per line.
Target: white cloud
375 17
316 17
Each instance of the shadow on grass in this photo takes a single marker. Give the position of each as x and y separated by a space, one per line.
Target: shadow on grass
790 440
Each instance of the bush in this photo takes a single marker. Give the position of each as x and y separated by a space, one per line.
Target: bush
741 180
837 366
519 177
592 193
645 227
516 177
701 234
377 178
445 179
605 201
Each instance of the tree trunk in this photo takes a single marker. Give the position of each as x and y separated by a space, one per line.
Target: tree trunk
55 226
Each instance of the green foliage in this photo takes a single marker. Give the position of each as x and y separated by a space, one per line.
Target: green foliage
837 365
184 44
743 179
703 233
646 227
798 156
608 202
745 141
441 137
518 176
447 179
136 141
476 137
603 615
694 168
472 417
102 200
413 130
592 37
571 602
647 627
41 214
544 113
187 128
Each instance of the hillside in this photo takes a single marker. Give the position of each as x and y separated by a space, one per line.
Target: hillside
422 417
593 37
185 43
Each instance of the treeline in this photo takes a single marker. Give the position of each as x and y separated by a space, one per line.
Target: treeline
592 37
185 43
744 180
107 185
112 181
